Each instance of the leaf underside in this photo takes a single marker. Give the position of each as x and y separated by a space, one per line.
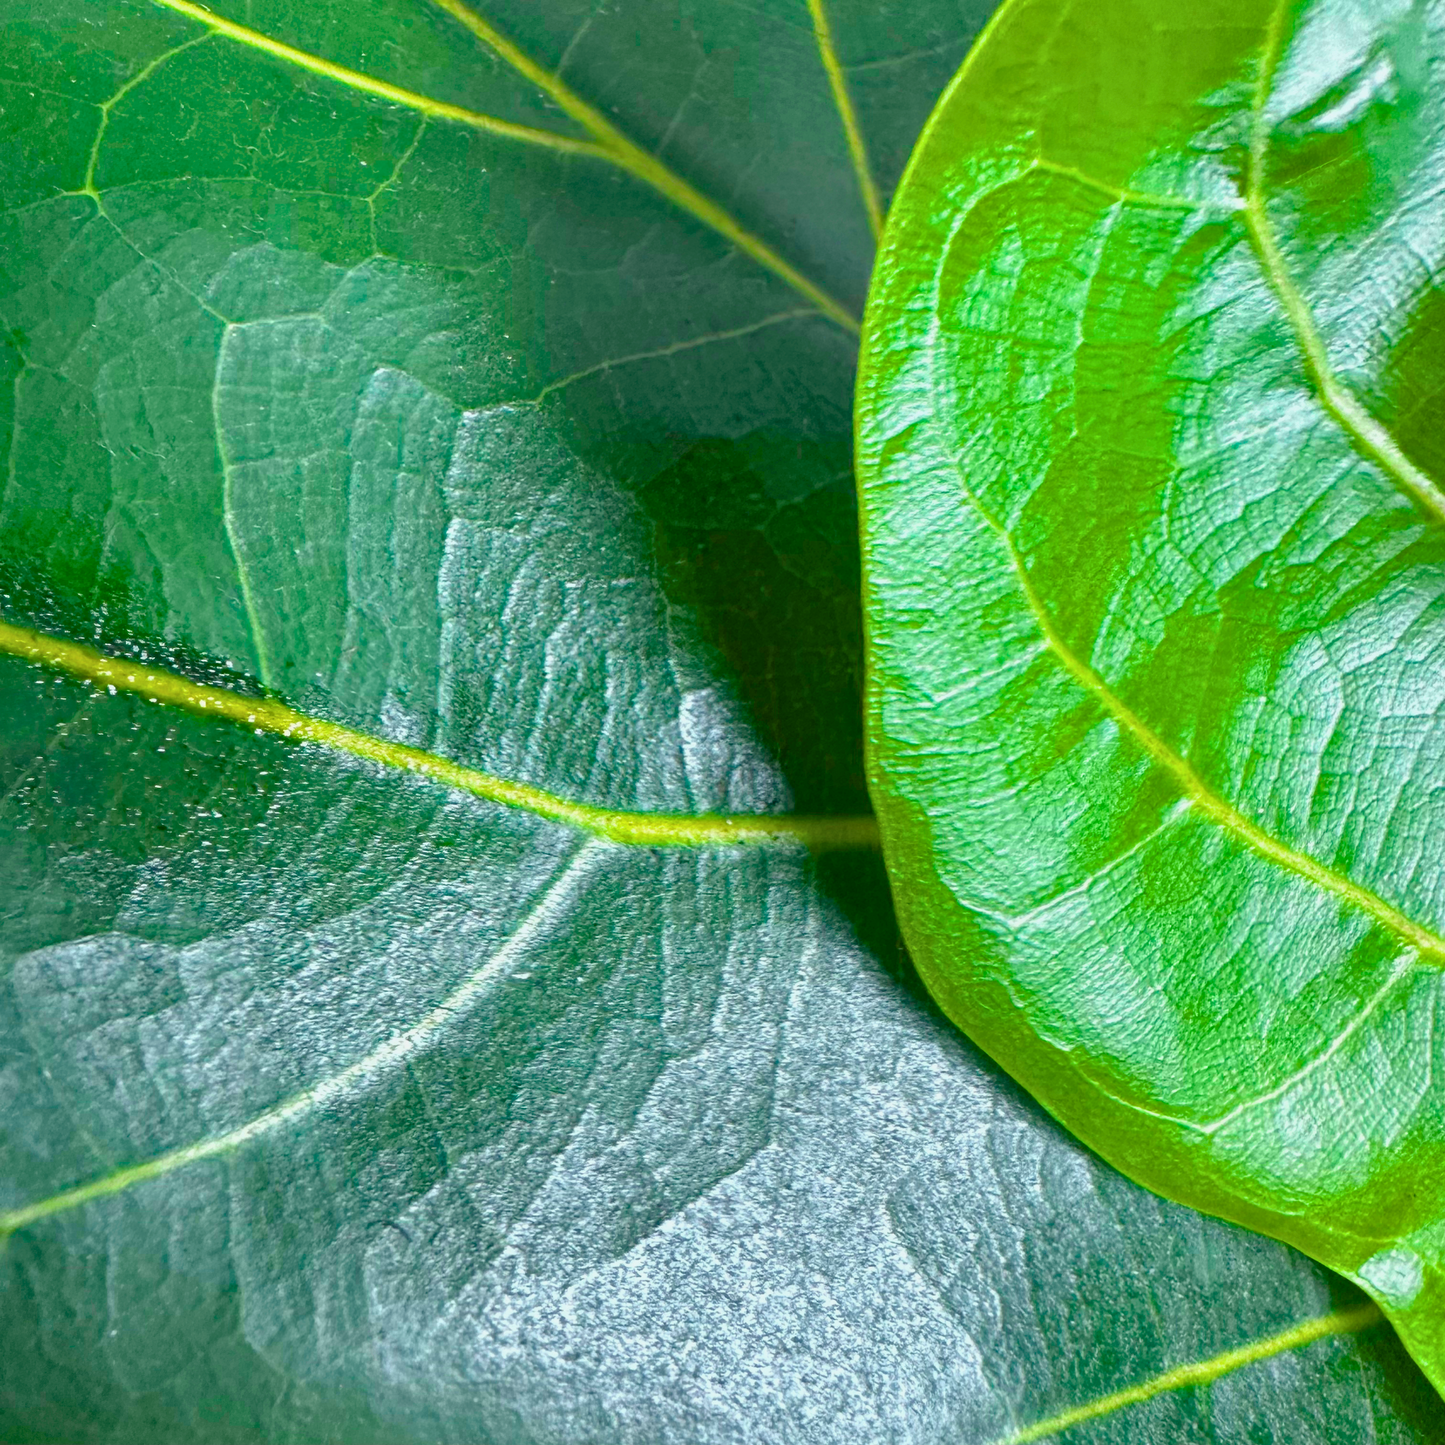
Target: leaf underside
1155 545
339 1103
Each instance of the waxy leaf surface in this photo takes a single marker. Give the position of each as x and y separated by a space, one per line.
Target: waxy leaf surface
1150 438
338 1103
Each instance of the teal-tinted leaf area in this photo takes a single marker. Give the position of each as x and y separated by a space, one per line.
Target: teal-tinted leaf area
336 1103
1154 552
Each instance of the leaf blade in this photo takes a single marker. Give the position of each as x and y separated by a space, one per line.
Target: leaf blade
1135 404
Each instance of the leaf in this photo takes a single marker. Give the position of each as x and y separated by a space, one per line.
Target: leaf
1150 460
341 1099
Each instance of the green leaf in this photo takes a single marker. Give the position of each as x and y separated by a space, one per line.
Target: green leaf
472 494
1150 451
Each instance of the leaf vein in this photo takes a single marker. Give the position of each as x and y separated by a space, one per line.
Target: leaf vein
269 715
1205 800
1154 200
613 145
1203 1372
662 352
1368 435
370 85
398 1051
1403 967
847 114
228 517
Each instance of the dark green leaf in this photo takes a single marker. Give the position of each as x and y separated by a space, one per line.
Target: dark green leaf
1156 592
342 1105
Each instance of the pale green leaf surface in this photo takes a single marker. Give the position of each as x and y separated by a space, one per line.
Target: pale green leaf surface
1150 451
489 1132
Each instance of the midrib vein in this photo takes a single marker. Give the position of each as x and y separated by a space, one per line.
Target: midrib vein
1202 1372
843 102
267 715
1369 436
644 166
385 1059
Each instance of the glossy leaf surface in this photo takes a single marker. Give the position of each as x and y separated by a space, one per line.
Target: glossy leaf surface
396 1114
1155 554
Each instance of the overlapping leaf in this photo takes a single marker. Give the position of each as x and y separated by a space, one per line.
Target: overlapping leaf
1151 458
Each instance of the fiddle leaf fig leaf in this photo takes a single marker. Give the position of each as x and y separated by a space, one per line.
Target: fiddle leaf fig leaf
449 988
1155 555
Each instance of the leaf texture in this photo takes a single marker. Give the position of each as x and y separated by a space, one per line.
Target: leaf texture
343 1103
1154 555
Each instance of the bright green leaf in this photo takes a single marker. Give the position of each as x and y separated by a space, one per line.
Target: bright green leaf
1150 446
379 388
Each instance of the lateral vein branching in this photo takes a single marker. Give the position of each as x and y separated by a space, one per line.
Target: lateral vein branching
1204 799
269 715
106 106
645 167
1372 439
1129 197
608 143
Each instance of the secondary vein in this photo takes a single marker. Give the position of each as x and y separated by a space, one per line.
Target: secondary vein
660 353
1404 966
439 109
1367 434
228 518
269 715
1203 1372
1202 797
1147 199
106 106
386 1058
843 101
609 145
645 167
